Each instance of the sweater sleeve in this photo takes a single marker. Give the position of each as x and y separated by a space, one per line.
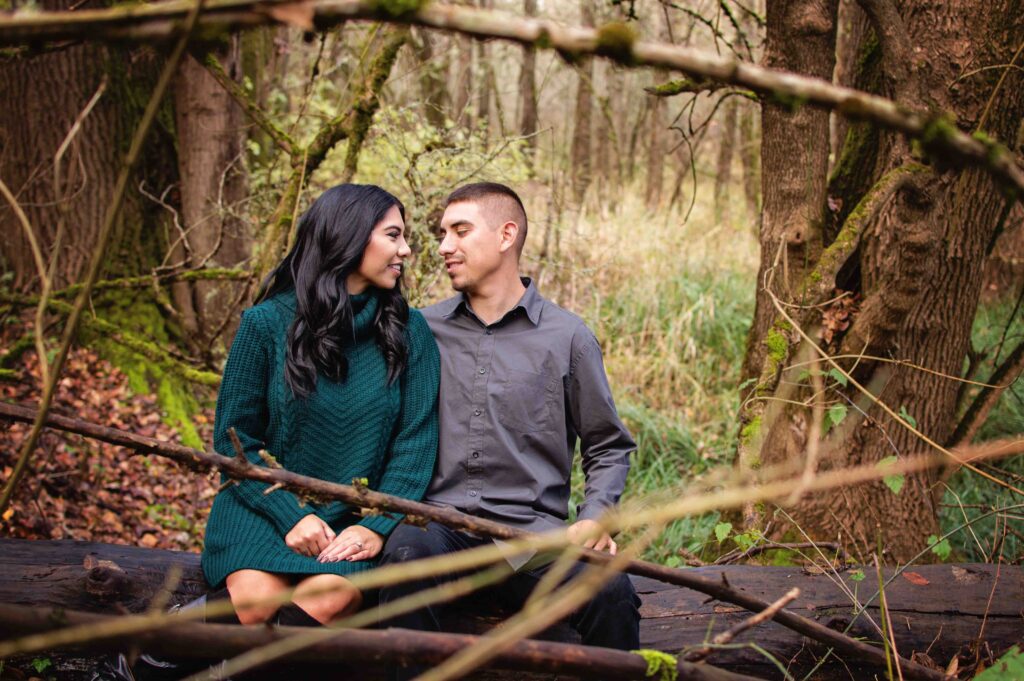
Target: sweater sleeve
242 405
413 449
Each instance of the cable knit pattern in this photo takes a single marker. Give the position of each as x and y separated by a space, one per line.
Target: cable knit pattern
359 428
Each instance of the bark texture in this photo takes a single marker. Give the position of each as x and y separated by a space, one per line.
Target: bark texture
528 88
917 272
581 157
213 181
43 96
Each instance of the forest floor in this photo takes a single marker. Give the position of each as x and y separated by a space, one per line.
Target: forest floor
82 489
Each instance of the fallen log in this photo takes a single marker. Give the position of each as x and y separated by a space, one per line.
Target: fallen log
937 608
371 649
238 467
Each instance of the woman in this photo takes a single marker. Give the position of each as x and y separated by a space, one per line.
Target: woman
335 378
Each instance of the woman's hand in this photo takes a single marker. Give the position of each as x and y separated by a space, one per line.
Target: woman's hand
310 536
354 543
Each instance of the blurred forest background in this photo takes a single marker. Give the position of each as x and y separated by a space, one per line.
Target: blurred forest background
658 206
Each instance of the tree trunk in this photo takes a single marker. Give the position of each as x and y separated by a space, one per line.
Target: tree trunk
44 94
528 89
462 79
581 167
434 66
483 81
213 181
750 158
917 273
655 147
851 29
794 160
723 169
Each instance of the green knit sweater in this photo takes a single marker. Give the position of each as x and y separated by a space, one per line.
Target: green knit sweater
358 428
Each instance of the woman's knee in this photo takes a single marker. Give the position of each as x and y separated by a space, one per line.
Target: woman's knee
327 597
248 588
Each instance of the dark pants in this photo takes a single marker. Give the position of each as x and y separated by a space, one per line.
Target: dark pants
610 620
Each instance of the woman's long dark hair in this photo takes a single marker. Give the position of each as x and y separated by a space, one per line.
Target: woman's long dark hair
329 245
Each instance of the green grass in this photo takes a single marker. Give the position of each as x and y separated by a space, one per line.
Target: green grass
672 310
1005 421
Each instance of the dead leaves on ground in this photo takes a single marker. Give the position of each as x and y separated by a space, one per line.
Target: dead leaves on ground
86 490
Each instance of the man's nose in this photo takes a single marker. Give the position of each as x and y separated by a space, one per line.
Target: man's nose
447 245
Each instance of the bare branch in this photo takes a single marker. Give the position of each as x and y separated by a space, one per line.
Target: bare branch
160 21
214 641
727 636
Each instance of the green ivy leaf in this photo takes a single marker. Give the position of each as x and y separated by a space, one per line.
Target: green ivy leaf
838 376
744 541
942 549
834 416
893 482
722 531
857 575
1009 666
907 417
41 664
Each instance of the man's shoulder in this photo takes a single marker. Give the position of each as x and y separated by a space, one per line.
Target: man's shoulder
563 322
438 311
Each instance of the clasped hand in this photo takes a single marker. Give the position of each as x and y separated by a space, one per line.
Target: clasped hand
311 536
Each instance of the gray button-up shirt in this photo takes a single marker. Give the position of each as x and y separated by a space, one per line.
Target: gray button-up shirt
515 395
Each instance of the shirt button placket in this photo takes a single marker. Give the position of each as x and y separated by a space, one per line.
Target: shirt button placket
478 423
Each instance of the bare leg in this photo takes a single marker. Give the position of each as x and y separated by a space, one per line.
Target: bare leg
327 597
250 585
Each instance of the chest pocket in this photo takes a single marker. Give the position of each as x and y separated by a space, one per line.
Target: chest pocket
527 401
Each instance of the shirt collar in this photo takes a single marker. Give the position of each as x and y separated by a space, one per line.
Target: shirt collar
531 302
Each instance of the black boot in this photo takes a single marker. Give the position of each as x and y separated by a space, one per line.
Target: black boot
292 615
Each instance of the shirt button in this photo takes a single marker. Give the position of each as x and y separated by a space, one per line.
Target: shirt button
472 492
476 455
482 370
489 332
477 412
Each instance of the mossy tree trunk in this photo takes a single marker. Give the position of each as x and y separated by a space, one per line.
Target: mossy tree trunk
211 161
43 96
906 236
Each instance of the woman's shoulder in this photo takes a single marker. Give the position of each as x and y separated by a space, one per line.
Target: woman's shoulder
275 311
417 326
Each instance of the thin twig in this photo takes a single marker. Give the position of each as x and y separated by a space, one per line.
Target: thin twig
727 636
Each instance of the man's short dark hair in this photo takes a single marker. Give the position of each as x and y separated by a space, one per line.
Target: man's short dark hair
498 196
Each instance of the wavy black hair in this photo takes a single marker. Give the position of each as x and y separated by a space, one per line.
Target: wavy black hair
329 245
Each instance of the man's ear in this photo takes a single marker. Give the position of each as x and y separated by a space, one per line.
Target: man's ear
508 234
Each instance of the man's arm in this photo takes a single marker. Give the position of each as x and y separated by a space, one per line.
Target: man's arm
604 441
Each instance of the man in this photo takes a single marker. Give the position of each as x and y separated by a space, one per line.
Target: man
521 380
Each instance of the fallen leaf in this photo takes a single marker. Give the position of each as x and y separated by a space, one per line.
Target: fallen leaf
915 578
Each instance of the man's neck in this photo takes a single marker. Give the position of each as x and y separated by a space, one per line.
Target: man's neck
493 300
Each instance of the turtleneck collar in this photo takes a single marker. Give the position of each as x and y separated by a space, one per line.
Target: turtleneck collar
364 309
